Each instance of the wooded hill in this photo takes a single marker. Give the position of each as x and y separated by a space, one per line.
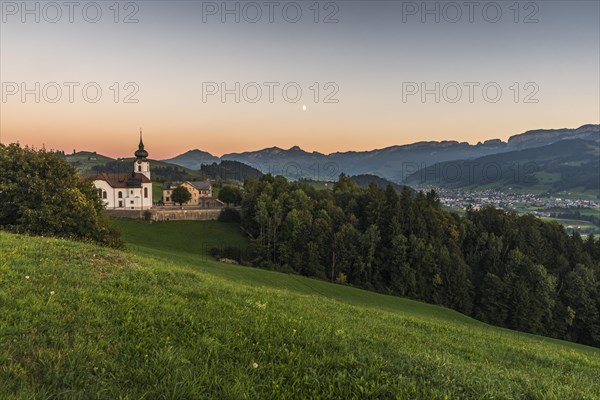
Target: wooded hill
508 270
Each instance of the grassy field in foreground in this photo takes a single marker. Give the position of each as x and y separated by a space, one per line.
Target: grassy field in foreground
79 321
177 237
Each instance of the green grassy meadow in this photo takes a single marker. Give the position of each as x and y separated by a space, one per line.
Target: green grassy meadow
175 238
164 321
157 191
574 223
85 160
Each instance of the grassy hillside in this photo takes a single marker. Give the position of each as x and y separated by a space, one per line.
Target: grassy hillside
78 321
85 160
177 238
161 171
157 191
582 226
90 162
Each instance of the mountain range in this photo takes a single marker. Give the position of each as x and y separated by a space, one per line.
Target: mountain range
566 165
395 163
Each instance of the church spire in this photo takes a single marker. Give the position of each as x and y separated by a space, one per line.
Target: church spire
141 153
141 146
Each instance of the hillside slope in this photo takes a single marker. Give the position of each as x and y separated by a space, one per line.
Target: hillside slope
565 165
91 162
79 321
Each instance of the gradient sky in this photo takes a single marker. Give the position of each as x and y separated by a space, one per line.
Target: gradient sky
369 53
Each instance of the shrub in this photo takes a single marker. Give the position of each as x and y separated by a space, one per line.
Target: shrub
230 195
231 252
342 278
41 194
230 215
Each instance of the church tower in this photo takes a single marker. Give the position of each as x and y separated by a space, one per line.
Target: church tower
142 165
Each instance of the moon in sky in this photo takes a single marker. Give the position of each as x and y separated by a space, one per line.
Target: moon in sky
303 108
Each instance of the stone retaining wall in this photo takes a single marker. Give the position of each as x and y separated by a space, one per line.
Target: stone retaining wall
133 214
185 215
169 214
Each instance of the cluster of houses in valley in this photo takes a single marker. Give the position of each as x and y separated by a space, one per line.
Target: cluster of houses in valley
133 190
507 201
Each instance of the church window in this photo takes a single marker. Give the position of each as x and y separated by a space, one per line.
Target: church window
120 195
146 193
139 168
104 194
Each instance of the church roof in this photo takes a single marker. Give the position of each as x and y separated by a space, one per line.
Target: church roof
119 180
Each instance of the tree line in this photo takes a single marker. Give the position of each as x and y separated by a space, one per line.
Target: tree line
577 215
501 268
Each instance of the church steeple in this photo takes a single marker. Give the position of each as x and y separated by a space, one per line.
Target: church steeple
141 154
141 164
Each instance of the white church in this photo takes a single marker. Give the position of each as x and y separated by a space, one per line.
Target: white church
126 190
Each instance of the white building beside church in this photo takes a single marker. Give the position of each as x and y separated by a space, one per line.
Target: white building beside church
126 190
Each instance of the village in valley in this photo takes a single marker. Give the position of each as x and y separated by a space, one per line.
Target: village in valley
509 201
573 212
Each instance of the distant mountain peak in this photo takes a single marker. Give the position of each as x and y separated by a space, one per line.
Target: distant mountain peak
196 151
193 159
588 128
547 136
270 150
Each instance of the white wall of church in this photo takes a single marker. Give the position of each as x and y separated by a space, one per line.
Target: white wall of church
106 193
143 167
125 198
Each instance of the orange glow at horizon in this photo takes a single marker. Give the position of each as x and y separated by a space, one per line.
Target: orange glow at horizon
122 143
112 130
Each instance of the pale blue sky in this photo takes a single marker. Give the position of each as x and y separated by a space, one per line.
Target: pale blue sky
368 54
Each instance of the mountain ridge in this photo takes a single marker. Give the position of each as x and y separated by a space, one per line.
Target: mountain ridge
394 163
568 164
